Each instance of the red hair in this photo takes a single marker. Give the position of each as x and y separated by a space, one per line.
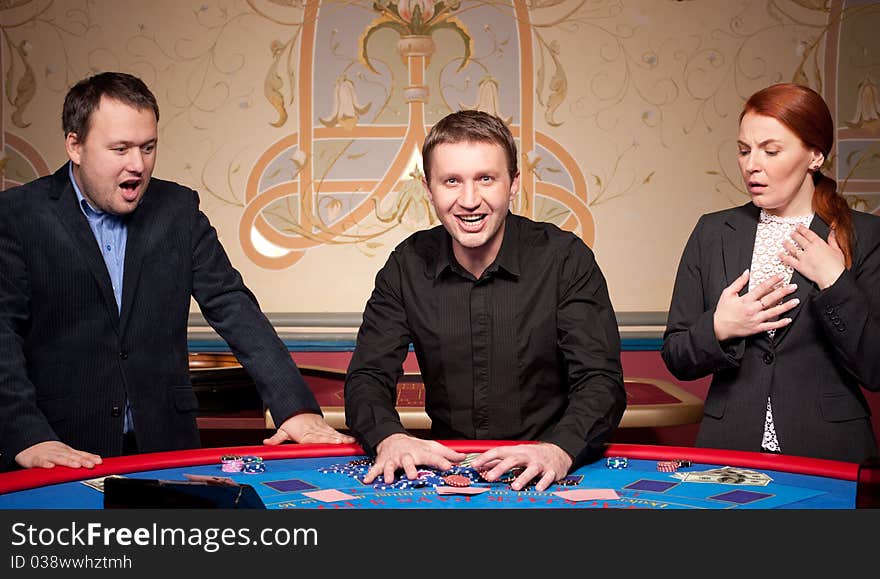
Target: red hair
803 111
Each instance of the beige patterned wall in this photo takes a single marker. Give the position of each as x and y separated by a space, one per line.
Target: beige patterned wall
299 122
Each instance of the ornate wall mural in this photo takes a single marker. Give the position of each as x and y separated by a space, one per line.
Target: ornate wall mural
369 83
300 122
853 69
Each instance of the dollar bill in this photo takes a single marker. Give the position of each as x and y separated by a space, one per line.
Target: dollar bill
726 476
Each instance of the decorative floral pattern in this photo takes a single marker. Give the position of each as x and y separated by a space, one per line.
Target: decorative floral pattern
300 121
346 108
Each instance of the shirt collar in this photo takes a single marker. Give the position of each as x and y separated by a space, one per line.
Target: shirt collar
506 260
508 255
84 204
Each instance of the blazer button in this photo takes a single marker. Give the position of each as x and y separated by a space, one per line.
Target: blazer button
124 355
841 327
829 309
116 411
768 358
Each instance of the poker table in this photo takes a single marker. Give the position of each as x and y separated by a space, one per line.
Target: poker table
293 473
228 398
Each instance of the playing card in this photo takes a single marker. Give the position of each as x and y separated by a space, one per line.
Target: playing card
98 483
588 495
329 495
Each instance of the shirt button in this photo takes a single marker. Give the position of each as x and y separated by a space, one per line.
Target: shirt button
768 358
124 355
116 411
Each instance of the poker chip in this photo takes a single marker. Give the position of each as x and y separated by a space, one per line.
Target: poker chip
667 466
616 462
231 463
398 484
253 467
457 480
683 463
529 485
507 477
251 459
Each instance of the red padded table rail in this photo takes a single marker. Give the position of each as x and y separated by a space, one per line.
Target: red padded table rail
26 479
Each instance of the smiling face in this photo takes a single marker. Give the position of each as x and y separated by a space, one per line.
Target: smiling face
471 191
775 166
112 165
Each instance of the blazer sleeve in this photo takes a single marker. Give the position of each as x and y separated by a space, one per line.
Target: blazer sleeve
233 311
849 310
690 349
22 423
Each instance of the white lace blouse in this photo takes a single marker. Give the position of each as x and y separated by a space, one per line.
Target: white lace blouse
772 231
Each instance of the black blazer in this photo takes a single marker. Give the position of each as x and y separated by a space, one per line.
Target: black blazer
68 357
813 368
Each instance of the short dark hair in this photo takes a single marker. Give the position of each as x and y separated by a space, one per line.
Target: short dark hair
469 126
85 96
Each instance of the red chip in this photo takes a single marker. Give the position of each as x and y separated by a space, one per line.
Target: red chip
667 466
457 480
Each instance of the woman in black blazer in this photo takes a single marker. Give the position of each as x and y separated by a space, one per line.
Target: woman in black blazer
779 299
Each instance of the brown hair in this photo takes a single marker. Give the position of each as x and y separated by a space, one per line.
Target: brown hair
470 127
803 111
85 96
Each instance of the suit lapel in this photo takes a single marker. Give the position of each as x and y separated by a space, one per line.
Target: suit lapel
738 242
805 287
74 221
135 249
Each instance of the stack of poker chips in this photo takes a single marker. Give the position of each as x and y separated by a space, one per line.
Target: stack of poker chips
231 463
457 480
507 477
616 462
252 465
672 465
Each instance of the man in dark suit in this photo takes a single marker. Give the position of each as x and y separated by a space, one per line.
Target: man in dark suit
98 263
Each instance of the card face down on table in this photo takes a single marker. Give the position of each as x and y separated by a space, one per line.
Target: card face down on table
138 493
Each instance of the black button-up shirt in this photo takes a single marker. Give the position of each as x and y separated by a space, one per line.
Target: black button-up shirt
529 351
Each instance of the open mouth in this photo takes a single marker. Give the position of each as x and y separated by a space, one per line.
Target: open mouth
471 223
130 188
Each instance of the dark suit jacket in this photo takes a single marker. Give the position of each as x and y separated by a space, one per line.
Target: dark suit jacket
68 358
813 368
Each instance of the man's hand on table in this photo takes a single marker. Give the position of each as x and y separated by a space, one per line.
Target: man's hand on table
402 451
307 428
543 460
53 453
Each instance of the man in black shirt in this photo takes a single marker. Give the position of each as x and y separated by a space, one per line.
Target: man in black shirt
510 320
